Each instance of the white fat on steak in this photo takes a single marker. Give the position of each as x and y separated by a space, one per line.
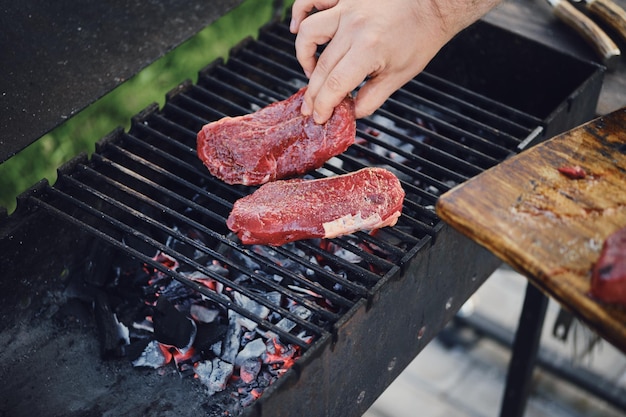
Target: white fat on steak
352 223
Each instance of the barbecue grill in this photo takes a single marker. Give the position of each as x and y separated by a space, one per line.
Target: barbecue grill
373 300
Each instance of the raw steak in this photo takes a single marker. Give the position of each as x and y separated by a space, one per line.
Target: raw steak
608 279
275 142
284 211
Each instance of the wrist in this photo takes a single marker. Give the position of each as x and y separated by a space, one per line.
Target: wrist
456 15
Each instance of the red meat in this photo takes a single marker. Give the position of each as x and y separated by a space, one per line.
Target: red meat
284 211
573 172
275 142
608 279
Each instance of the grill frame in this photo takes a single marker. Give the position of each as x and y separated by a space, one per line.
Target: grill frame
424 269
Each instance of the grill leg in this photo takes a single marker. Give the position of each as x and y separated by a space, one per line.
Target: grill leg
524 353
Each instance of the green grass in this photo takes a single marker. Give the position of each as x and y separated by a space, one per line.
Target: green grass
81 132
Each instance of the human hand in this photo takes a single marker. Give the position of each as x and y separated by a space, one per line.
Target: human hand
388 41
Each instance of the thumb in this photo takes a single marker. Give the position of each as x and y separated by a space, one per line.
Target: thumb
372 95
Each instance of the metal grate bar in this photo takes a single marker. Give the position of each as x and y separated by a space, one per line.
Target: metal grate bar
496 125
236 63
426 149
264 324
381 263
141 217
458 130
413 159
154 151
439 139
487 105
268 263
381 160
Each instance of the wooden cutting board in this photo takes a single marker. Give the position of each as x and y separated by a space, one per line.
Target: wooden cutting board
550 227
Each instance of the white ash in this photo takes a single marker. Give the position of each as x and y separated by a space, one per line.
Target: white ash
203 371
151 357
122 331
286 324
144 325
208 281
203 314
348 256
254 349
274 297
214 374
222 371
307 338
304 291
253 307
217 268
250 369
216 348
232 341
300 311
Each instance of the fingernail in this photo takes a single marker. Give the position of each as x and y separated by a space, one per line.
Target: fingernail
292 26
305 110
317 118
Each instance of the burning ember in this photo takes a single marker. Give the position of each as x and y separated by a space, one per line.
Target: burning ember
166 323
236 319
218 324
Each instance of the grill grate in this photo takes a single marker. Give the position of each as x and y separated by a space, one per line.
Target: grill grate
140 186
349 307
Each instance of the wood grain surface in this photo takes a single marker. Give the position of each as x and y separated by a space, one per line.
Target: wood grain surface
548 226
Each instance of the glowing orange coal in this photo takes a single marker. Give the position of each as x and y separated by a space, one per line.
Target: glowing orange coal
279 356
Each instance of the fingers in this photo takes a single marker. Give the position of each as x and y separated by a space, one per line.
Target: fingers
338 72
317 30
340 68
373 94
363 38
302 8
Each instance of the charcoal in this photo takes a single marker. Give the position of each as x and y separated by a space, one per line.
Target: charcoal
274 296
251 306
204 279
99 254
111 333
222 371
203 314
208 334
177 293
136 348
253 349
171 327
214 374
287 324
203 371
249 370
232 340
152 356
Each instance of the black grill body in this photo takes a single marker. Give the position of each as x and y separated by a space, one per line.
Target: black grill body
488 95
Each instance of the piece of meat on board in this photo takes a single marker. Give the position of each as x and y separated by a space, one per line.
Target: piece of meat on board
288 210
608 279
275 142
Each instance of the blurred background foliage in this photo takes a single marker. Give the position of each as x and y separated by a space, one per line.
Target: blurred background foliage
82 131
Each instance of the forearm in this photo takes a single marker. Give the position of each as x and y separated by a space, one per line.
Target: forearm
456 15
